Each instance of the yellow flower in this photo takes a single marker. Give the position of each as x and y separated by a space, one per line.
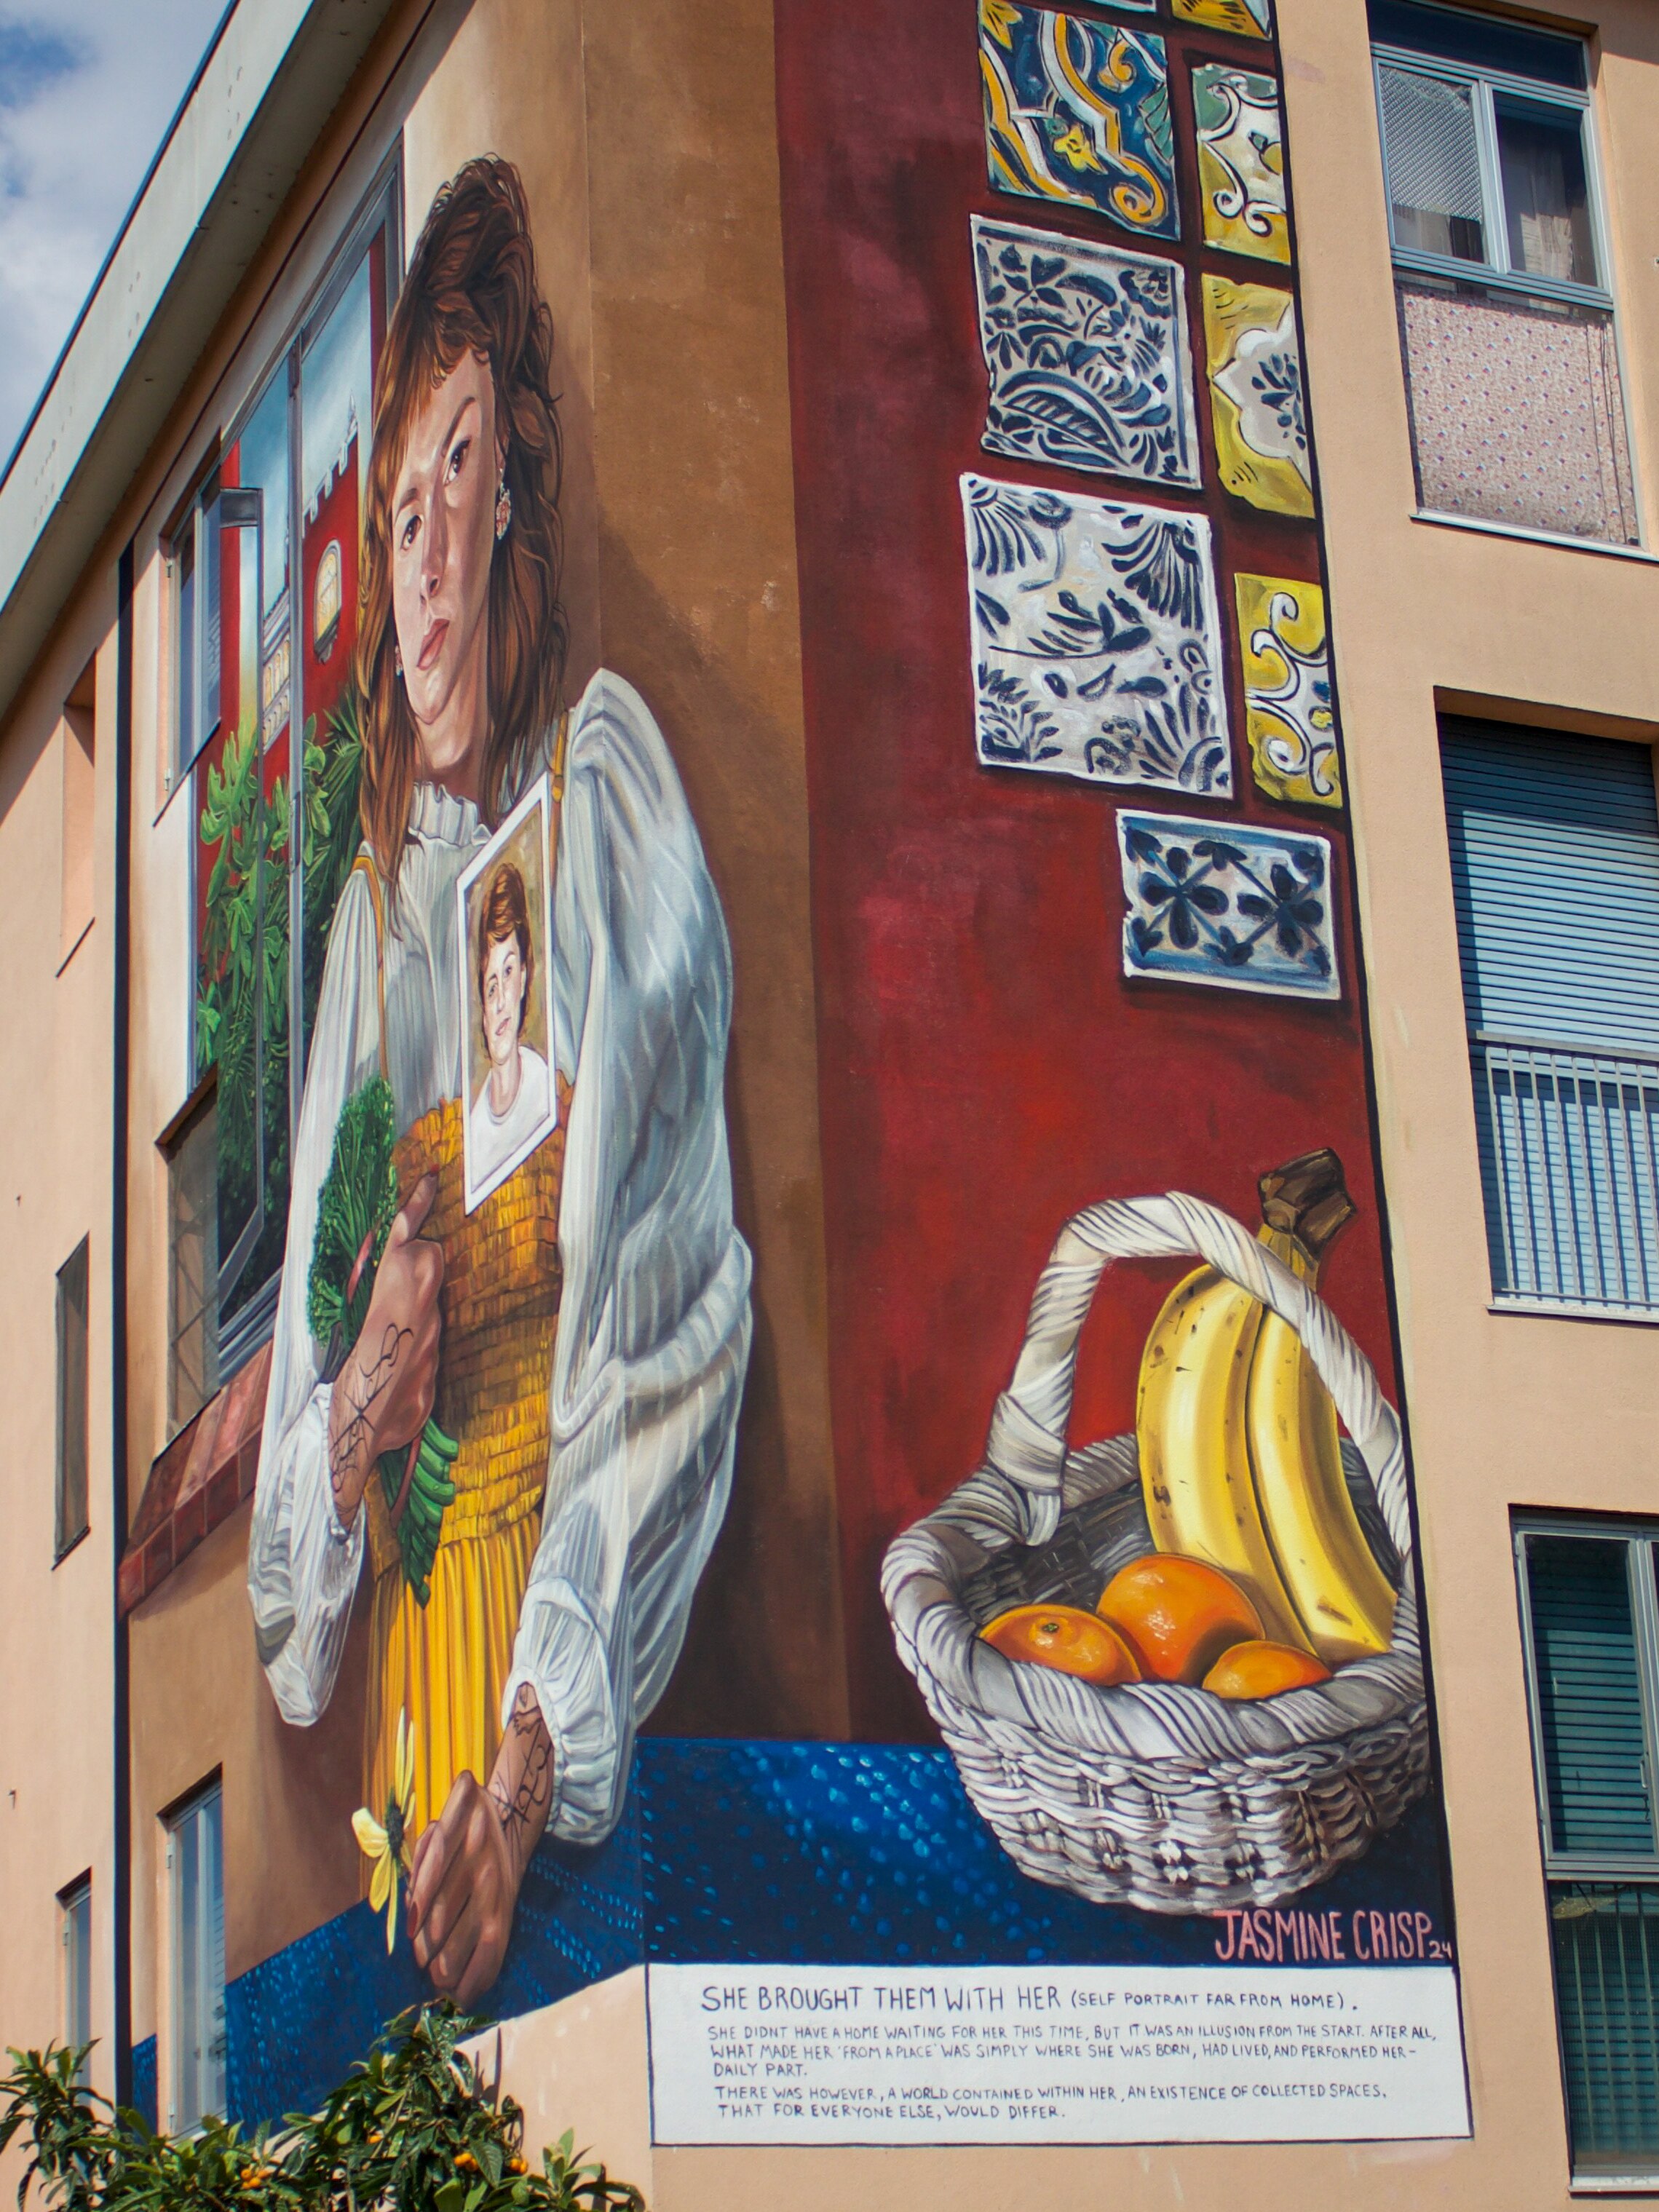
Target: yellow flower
384 1843
999 19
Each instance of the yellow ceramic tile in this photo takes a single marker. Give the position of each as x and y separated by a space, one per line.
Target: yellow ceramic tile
1289 718
1252 19
1240 162
1253 361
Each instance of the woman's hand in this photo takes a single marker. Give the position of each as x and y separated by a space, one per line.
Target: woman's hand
385 1389
469 1864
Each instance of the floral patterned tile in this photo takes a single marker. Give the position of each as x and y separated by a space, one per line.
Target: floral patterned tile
1087 349
1096 645
1230 904
1290 722
1079 112
1251 19
1254 358
1240 162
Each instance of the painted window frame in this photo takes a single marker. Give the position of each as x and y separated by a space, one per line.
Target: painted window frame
379 208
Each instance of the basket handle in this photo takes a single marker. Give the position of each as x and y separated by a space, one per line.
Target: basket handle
1027 1440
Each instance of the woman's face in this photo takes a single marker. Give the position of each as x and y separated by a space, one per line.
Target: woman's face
443 533
503 1000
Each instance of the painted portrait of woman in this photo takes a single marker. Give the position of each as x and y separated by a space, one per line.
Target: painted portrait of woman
515 1099
582 1335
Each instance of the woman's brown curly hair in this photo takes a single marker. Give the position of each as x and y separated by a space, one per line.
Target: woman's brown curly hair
470 288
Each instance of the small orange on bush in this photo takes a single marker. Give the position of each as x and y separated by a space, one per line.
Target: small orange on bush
1066 1638
1260 1669
1177 1615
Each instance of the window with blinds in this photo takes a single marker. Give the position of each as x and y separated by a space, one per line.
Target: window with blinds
1554 847
1590 1604
1505 309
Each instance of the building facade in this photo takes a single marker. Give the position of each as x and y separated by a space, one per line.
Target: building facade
835 1241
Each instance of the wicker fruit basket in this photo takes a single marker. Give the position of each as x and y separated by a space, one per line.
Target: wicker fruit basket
1152 1794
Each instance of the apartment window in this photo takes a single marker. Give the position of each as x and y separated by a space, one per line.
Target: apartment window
192 1265
74 1923
1554 844
267 730
196 1875
1503 288
1591 1622
73 1290
76 739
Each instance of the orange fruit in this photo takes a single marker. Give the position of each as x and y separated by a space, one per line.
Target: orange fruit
1260 1669
1176 1616
1066 1638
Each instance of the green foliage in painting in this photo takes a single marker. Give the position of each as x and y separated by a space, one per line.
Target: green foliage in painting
413 2128
332 834
242 981
355 1209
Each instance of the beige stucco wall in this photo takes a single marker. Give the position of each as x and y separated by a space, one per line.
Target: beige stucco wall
56 1640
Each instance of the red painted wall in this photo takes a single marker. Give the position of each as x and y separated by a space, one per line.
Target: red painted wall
985 1067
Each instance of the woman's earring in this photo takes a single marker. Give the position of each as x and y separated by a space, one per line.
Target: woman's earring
398 660
503 510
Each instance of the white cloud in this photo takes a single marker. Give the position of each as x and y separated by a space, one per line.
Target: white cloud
87 89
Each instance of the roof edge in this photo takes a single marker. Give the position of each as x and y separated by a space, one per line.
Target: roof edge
269 82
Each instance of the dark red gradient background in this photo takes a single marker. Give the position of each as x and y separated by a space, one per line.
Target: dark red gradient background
985 1067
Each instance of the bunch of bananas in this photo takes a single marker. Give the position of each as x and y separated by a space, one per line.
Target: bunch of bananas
1240 1461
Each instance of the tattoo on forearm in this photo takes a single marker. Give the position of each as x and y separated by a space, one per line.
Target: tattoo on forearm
522 1807
365 1382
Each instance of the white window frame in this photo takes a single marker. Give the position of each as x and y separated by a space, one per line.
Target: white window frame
1483 86
78 1952
182 1816
1641 1542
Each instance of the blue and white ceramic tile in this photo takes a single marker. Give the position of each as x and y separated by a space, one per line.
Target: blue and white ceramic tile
1228 904
1096 646
1086 349
1079 111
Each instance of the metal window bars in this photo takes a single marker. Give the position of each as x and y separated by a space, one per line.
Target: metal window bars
1569 1140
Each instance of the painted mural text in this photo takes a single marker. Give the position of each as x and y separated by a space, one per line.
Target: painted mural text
1361 1937
1103 2054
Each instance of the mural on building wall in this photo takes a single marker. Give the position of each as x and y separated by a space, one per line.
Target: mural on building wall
490 1397
1132 1661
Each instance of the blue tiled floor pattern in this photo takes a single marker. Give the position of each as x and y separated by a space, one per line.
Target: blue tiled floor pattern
295 2024
865 1855
773 1853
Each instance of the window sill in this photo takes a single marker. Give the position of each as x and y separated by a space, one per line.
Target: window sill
1614 2185
1559 1309
1534 536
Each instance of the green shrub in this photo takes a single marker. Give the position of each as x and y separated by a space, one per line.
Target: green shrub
413 2128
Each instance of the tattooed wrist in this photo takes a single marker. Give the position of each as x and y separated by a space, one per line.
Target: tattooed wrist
361 1389
521 1787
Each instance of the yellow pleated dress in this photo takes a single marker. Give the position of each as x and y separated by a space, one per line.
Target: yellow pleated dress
445 1663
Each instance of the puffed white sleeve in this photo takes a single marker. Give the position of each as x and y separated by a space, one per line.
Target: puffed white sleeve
653 1339
303 1566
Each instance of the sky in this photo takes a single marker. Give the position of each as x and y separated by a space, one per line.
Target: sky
87 89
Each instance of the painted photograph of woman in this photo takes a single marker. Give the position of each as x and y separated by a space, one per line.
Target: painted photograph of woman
581 1337
502 924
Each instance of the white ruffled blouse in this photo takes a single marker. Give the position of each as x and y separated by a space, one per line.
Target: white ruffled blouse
653 1339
